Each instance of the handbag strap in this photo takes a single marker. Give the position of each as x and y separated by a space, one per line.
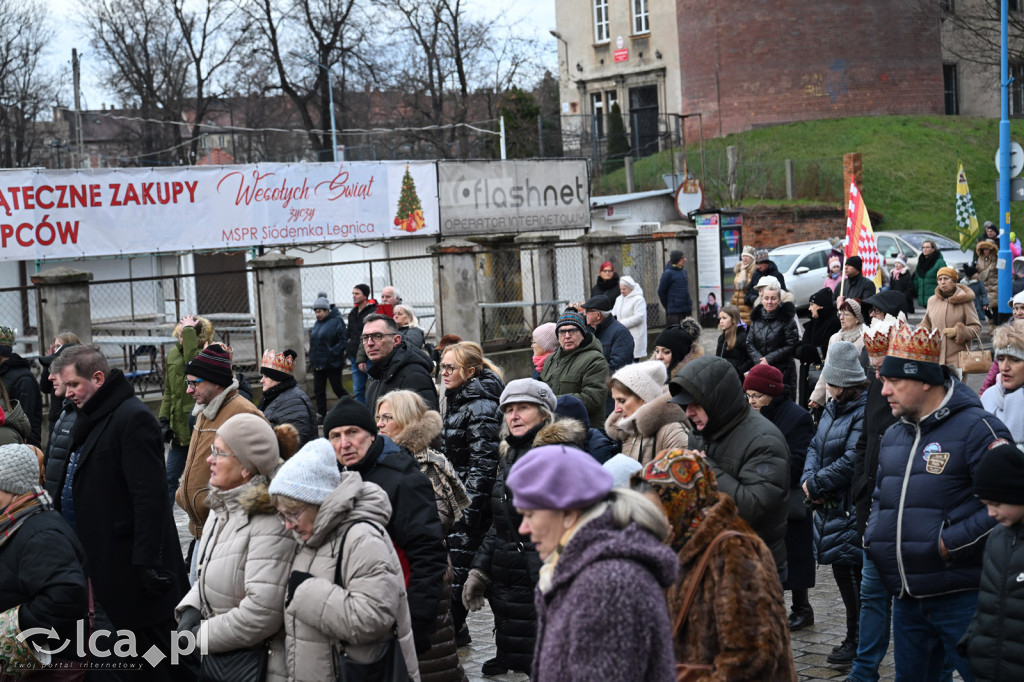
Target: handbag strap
698 575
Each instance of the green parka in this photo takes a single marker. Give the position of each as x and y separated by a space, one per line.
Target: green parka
177 404
581 373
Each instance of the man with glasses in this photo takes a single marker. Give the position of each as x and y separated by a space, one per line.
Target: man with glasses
395 365
210 382
578 367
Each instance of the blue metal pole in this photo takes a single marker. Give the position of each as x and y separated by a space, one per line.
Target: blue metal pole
1005 282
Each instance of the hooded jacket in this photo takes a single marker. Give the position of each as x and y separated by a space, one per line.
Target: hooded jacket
828 473
631 311
362 612
582 373
195 480
403 368
606 570
22 386
245 559
177 404
739 631
957 311
327 342
16 427
918 499
748 453
655 426
510 559
286 403
774 336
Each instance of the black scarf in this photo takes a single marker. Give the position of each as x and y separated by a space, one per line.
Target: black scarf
926 263
274 391
606 285
525 440
366 463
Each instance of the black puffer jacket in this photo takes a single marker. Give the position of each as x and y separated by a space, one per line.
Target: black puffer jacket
748 453
877 418
286 403
774 336
995 642
470 434
62 438
509 558
404 368
22 386
828 473
738 357
41 571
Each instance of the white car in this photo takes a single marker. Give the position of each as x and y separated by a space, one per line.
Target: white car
907 243
804 266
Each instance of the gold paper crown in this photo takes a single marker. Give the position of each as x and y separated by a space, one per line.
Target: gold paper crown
278 361
917 343
878 335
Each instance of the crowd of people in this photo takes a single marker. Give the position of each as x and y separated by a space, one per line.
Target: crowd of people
627 513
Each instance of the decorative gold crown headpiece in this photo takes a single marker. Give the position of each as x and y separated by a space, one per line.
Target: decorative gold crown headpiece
277 361
916 343
878 335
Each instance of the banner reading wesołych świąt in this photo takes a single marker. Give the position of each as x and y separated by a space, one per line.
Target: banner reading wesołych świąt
67 214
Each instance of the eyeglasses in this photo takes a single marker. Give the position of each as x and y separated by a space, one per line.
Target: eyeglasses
754 397
376 337
607 270
218 454
190 383
290 517
449 369
569 332
386 418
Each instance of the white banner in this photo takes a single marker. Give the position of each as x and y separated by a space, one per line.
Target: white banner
68 214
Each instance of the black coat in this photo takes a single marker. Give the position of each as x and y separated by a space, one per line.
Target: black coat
858 287
609 288
414 527
775 336
877 418
738 357
286 403
813 347
905 285
510 559
797 427
22 386
59 446
470 433
616 342
403 368
327 342
121 513
750 298
355 327
41 570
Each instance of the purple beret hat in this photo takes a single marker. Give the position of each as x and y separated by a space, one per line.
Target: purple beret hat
558 477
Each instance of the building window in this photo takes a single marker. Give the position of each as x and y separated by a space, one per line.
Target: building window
597 102
611 97
951 88
1013 5
947 6
602 32
641 17
1017 89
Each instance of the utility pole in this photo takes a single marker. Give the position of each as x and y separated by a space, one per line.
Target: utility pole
77 76
1004 257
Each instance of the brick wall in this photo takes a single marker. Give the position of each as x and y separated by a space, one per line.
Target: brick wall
768 227
765 62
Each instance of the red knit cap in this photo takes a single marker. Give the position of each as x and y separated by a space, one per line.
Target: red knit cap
764 379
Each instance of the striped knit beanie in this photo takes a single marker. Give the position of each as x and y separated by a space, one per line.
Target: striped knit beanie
212 364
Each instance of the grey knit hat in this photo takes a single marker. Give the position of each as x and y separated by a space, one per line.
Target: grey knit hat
645 379
842 365
528 391
310 475
252 441
321 302
19 469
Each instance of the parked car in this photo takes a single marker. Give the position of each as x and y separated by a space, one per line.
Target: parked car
907 243
804 266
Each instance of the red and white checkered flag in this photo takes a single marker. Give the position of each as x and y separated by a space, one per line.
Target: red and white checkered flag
860 238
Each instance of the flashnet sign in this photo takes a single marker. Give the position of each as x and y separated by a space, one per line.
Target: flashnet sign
481 197
68 214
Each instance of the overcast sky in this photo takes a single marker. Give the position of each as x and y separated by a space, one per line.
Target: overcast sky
537 17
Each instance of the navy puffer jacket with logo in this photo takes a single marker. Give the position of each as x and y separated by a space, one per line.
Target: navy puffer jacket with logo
917 500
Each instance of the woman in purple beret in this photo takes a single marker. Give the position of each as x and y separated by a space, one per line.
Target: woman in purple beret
601 609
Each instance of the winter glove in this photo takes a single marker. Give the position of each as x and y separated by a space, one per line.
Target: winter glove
296 579
155 581
190 618
473 590
165 429
949 332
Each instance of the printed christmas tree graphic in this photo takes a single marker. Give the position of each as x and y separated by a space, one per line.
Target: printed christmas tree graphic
410 213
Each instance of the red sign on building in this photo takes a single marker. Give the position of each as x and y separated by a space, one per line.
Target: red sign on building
621 55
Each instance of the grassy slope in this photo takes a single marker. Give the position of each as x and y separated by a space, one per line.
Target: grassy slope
909 163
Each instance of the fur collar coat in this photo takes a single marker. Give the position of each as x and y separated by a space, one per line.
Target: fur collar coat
956 312
655 426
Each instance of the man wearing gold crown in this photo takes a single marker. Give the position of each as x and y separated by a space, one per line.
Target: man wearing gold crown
926 529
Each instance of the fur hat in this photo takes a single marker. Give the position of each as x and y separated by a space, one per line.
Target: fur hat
321 302
985 244
749 251
310 475
645 379
525 391
252 441
545 336
571 318
999 476
948 272
687 487
349 412
764 379
212 364
842 365
558 477
19 469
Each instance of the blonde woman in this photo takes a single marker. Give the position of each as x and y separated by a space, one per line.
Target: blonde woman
408 326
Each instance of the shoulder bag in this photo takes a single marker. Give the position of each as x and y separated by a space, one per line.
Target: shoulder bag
686 672
389 666
975 361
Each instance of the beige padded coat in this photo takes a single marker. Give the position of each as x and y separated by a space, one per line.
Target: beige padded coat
955 312
364 612
655 426
245 559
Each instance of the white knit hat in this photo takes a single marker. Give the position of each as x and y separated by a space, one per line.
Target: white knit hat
768 280
310 475
645 379
622 467
19 469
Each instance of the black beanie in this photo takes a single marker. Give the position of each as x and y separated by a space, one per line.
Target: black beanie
823 298
1000 475
855 262
676 340
349 412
